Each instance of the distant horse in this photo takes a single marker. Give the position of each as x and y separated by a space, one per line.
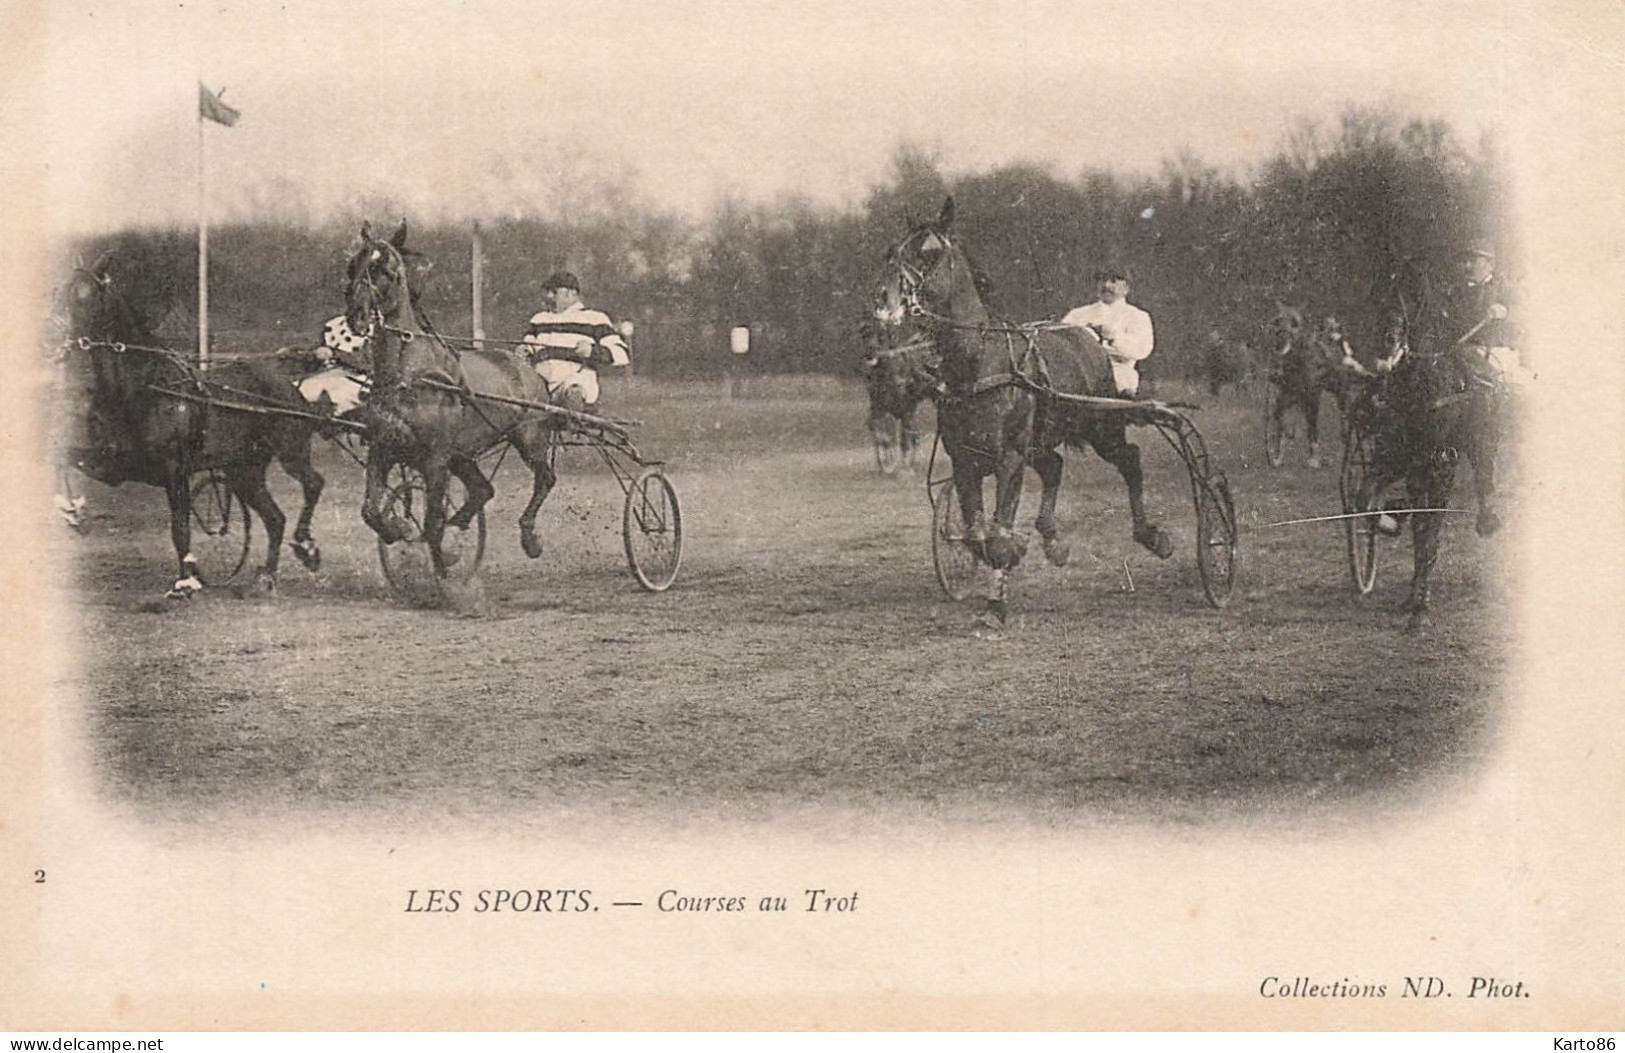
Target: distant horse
155 417
1304 366
894 379
1428 411
999 413
1225 362
425 409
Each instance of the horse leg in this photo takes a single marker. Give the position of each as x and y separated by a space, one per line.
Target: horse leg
1482 453
436 473
535 448
295 460
178 489
1047 463
478 491
1110 440
1003 548
1311 422
882 430
910 438
389 528
248 483
1430 487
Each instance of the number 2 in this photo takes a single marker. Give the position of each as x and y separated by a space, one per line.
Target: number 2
39 877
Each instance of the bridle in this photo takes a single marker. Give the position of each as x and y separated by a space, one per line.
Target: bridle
396 271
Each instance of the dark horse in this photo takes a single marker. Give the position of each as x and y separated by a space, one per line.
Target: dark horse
156 417
425 409
1304 360
893 373
1429 410
999 412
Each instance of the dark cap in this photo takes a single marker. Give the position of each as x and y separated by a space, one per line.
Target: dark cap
562 280
1112 272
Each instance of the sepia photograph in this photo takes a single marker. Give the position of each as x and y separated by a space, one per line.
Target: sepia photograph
812 516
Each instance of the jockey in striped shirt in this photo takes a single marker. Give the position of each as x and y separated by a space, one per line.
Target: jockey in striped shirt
571 342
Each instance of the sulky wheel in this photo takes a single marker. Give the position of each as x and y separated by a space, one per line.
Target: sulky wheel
955 562
220 529
1360 531
409 559
652 530
1215 538
1274 425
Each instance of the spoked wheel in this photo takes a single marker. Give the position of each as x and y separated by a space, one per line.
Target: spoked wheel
220 530
409 559
955 563
1274 425
1360 532
652 530
1215 538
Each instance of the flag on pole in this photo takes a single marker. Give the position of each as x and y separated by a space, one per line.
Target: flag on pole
210 106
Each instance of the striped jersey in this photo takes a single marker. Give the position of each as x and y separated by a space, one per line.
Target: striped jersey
576 334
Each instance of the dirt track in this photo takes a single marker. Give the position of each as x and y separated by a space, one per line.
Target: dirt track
805 656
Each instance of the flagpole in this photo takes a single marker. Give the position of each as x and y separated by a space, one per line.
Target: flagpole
202 245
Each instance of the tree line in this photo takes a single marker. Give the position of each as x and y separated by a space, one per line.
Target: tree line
1325 221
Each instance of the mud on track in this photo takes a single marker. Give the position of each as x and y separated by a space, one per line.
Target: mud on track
804 658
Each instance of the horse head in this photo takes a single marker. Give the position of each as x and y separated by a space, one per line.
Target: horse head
928 274
1284 327
901 363
380 284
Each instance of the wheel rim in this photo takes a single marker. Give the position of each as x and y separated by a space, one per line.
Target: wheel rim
955 564
1360 534
221 530
462 550
652 530
1215 541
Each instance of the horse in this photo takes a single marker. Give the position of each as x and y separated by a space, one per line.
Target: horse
1304 366
999 412
893 377
425 409
1225 361
1428 409
156 417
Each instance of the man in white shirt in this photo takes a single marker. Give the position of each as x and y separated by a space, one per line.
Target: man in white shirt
570 343
1124 329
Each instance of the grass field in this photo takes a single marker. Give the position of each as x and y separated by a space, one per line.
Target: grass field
805 657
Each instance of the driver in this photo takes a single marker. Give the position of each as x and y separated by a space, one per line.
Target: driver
1124 329
571 342
346 362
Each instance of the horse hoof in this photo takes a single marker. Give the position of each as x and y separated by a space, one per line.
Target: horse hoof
1388 526
531 544
184 589
1417 623
309 555
992 618
1005 551
265 583
1156 540
1058 552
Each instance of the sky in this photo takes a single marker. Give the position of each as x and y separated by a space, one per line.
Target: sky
490 107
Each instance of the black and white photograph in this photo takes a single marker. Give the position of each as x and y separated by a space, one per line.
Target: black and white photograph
812 516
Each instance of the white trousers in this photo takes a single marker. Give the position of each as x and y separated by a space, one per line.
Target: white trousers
559 374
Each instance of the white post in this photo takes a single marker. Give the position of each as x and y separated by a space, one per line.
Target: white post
478 292
202 246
